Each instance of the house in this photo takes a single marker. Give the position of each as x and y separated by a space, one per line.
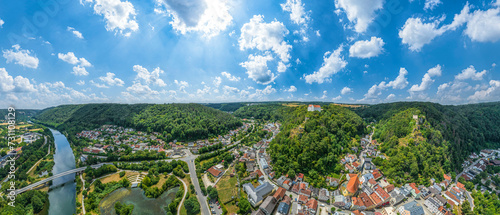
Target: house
452 197
432 205
443 211
314 108
256 195
411 208
295 188
259 174
332 181
279 194
324 195
300 177
351 187
215 172
376 174
268 205
312 205
302 199
286 184
258 212
357 204
369 204
486 152
341 201
284 206
388 211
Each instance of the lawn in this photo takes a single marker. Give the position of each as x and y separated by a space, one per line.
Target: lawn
227 189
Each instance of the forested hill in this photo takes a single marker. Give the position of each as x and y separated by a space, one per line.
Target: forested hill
314 142
468 128
176 121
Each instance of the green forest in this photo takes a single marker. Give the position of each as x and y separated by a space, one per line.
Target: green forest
313 142
175 121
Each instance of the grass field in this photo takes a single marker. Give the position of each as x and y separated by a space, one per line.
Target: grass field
227 190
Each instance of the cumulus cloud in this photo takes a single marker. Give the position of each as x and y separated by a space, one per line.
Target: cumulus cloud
257 34
110 79
332 64
75 32
80 63
1 23
257 69
484 26
138 88
18 84
119 16
20 57
209 17
182 85
470 73
427 79
147 77
399 83
217 81
390 97
298 15
360 12
291 89
431 4
481 26
489 94
367 48
345 91
230 77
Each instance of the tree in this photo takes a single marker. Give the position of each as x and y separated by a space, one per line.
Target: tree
466 210
192 205
291 173
244 206
146 181
122 173
212 193
37 203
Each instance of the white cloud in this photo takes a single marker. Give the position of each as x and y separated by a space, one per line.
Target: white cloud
20 57
431 4
75 32
230 77
1 23
417 34
182 85
81 82
138 88
120 16
442 87
217 81
367 48
291 89
360 12
497 3
400 82
268 90
257 69
80 63
470 73
484 26
152 77
346 90
98 85
18 84
298 14
281 67
257 34
111 80
80 71
209 17
490 94
390 97
332 64
228 90
427 79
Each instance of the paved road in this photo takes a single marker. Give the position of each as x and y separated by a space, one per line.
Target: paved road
202 199
184 197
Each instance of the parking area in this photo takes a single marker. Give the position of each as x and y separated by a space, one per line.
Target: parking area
215 207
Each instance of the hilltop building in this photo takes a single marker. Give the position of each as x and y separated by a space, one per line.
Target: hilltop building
314 108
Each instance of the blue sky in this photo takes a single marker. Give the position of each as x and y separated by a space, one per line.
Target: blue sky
163 51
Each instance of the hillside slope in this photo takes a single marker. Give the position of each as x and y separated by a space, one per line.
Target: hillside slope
175 121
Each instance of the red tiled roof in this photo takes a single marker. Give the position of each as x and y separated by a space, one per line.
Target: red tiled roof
446 177
302 186
357 201
375 198
279 193
376 174
215 172
302 198
460 185
300 175
389 188
412 185
259 173
371 181
353 184
382 193
366 200
312 204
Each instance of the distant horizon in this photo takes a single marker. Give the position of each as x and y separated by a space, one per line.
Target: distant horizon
203 103
131 51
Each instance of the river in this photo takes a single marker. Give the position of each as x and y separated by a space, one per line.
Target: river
135 196
62 198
